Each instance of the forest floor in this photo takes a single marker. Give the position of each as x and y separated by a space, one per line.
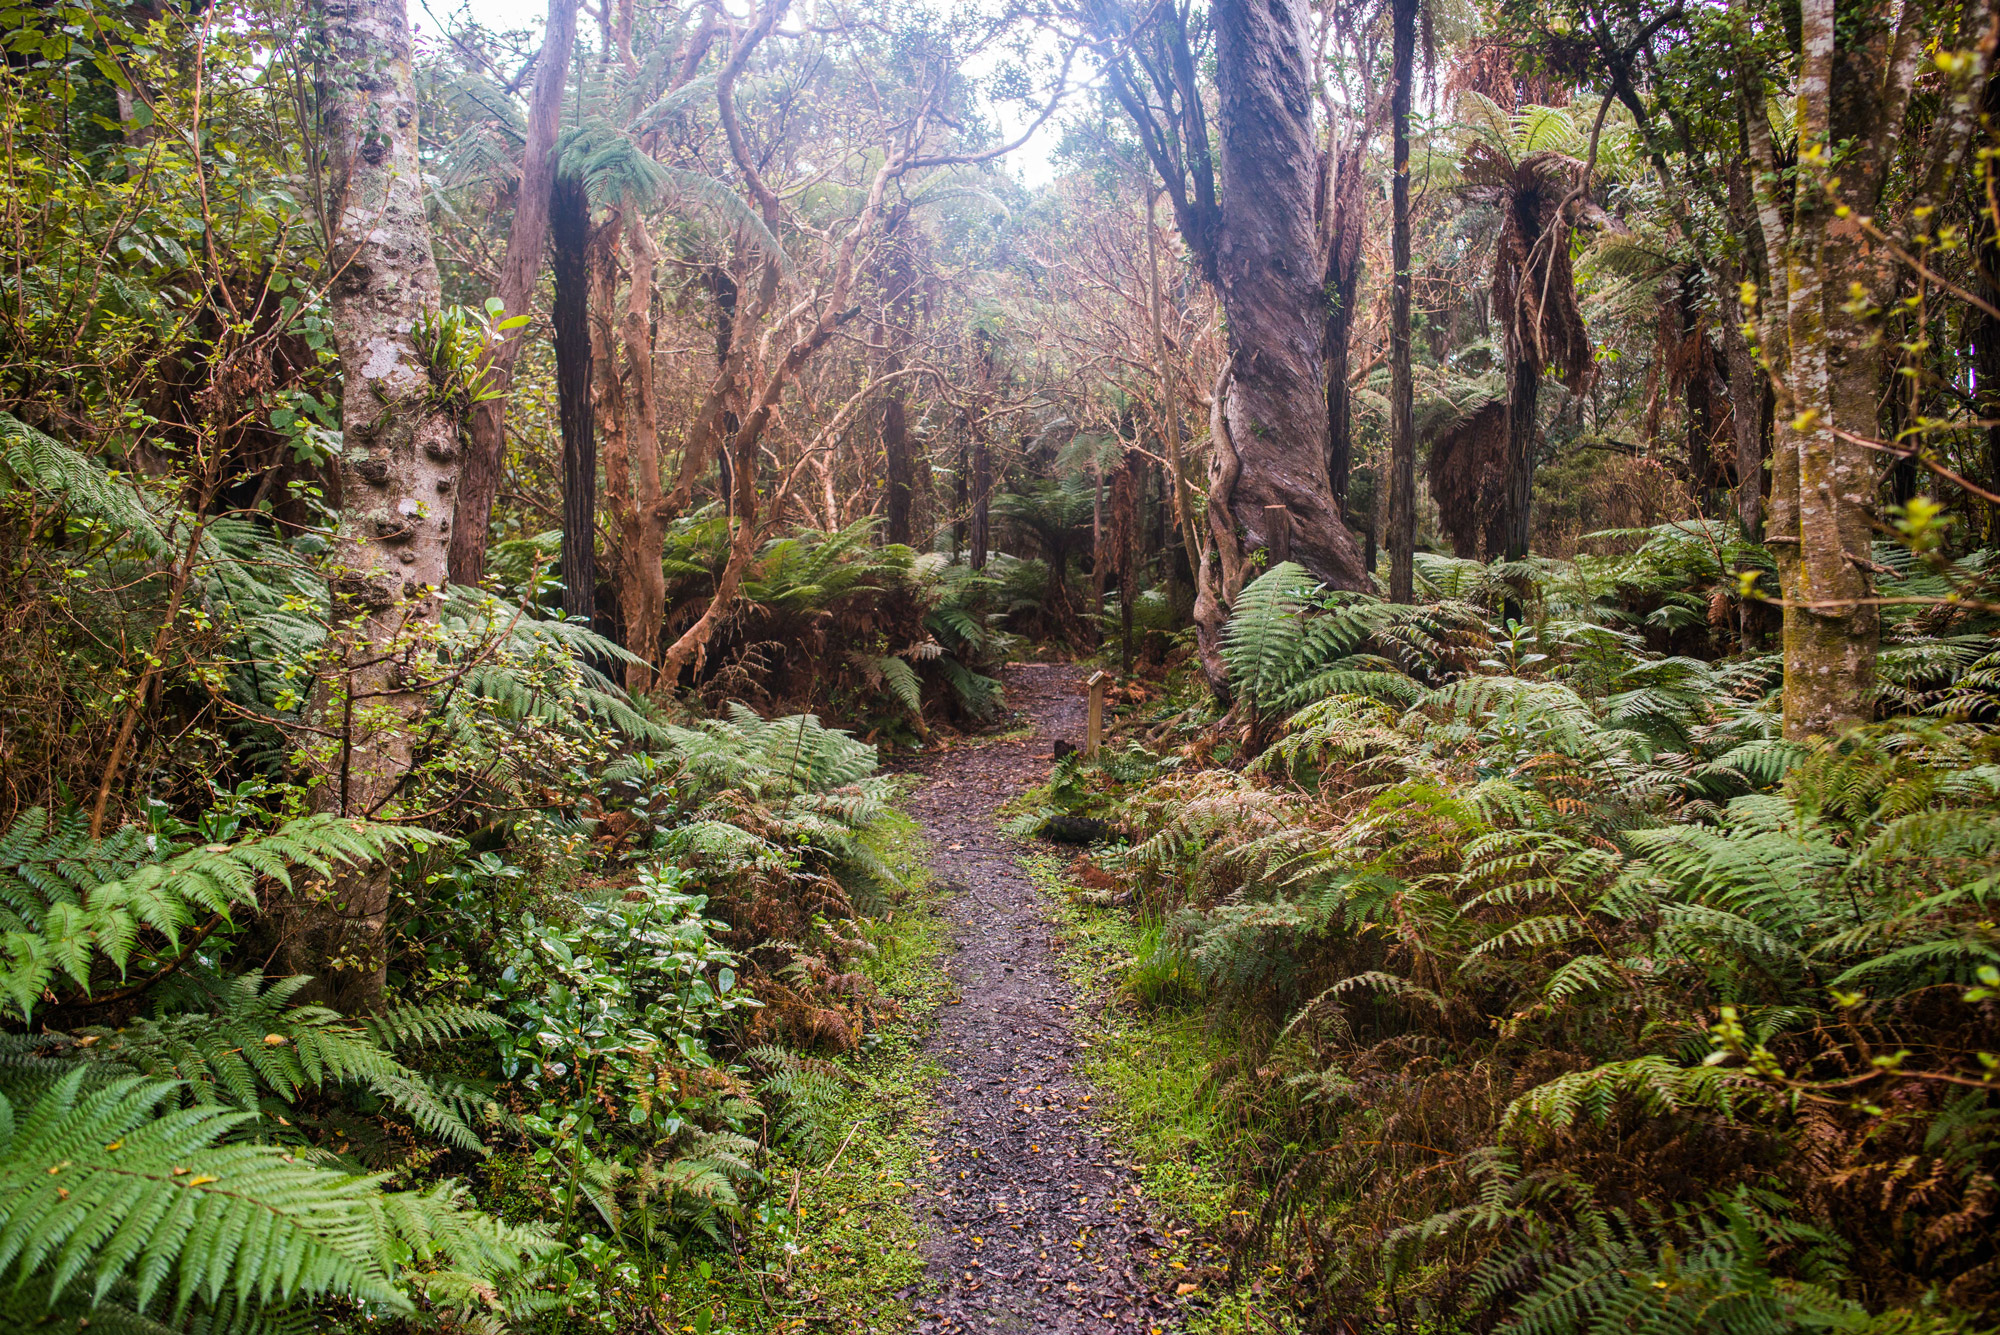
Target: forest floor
1036 1219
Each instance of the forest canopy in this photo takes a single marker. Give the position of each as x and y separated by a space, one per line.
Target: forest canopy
482 510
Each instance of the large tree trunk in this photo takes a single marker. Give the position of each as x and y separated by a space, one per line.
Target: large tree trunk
569 231
1855 73
899 465
396 477
1269 283
1402 421
1822 494
486 454
646 579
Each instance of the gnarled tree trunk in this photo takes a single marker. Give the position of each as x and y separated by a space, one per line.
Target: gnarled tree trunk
1270 286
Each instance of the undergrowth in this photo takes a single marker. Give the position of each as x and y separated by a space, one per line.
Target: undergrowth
851 1255
1482 973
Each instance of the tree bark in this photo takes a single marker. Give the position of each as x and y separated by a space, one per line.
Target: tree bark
1223 567
980 531
397 472
629 439
1523 439
1986 341
961 498
1857 67
569 231
1266 275
1402 421
1255 240
1822 493
1346 226
527 233
899 465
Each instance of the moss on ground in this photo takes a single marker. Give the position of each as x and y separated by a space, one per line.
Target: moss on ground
1149 1050
842 1248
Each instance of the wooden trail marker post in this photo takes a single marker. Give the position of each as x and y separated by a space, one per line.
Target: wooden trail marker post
1093 736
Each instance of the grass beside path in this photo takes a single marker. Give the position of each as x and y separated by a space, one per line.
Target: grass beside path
1149 1049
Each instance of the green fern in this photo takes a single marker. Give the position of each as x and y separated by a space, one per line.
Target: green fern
1265 638
62 911
802 1096
251 1043
115 1196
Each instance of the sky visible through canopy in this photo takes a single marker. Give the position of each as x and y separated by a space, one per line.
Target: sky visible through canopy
1033 162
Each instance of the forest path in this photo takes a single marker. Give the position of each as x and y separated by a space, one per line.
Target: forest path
1036 1225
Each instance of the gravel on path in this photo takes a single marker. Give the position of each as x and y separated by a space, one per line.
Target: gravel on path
1036 1222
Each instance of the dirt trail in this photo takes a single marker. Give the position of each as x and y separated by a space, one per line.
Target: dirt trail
1035 1222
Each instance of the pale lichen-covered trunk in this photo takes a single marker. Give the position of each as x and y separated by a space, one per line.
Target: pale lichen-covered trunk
1829 271
397 468
1823 486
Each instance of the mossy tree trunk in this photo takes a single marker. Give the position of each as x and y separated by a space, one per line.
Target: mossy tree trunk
1830 274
